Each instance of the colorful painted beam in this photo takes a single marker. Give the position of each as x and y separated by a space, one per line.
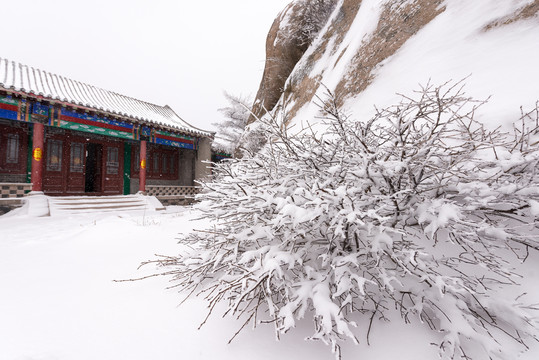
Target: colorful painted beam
169 139
64 118
13 109
67 119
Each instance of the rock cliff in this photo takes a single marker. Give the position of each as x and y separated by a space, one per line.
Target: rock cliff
364 51
289 37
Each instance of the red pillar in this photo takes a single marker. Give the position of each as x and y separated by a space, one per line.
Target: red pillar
37 157
142 174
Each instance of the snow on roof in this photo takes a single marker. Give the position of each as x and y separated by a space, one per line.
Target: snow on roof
26 79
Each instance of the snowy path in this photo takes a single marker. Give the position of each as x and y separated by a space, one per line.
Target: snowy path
58 300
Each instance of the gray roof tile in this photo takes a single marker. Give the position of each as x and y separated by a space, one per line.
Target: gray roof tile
30 80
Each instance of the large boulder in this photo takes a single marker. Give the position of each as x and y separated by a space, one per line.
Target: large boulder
289 37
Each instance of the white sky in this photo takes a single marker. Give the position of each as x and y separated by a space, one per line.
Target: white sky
180 53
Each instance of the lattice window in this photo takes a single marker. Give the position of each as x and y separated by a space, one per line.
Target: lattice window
136 163
12 149
54 155
155 162
173 167
113 163
77 159
165 168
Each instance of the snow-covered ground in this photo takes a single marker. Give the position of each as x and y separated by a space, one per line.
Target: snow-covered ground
59 301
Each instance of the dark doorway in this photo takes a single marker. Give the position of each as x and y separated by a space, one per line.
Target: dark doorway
94 157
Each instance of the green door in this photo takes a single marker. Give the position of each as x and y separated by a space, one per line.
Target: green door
127 168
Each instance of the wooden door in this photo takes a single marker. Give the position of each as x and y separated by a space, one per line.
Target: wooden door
55 166
113 168
93 169
75 167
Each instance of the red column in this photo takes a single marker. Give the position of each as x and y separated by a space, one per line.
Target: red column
142 174
37 157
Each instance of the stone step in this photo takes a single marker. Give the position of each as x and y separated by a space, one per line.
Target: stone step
100 206
56 212
94 198
66 205
97 202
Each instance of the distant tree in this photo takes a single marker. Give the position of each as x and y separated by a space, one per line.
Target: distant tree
231 128
416 211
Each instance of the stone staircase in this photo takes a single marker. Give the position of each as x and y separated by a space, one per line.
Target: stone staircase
73 205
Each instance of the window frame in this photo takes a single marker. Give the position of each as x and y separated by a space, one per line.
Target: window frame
113 160
76 168
19 167
54 144
156 154
9 147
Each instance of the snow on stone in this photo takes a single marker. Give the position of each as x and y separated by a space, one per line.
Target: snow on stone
500 62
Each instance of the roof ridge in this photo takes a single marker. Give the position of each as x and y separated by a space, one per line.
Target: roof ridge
20 65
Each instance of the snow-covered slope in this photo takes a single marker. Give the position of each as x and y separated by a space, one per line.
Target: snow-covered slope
370 50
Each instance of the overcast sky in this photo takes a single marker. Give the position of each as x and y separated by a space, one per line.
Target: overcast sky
180 53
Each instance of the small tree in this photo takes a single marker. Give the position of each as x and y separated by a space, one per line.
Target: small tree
417 209
236 116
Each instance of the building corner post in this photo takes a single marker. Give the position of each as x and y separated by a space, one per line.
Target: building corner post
203 157
142 173
38 141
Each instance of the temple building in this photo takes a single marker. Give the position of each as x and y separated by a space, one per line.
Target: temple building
66 138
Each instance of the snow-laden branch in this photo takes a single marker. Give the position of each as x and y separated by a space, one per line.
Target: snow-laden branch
417 209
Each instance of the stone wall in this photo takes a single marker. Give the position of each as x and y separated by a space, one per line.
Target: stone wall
187 168
173 195
202 168
12 178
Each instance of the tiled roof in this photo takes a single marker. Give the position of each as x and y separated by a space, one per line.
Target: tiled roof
29 80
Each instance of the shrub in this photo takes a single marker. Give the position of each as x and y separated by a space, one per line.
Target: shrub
416 210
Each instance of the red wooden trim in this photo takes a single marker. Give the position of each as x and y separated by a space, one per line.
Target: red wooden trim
38 157
9 107
166 137
94 123
142 172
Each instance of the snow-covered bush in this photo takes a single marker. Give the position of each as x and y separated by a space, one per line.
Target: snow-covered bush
416 211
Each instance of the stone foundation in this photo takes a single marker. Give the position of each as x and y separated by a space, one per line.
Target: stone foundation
172 195
14 190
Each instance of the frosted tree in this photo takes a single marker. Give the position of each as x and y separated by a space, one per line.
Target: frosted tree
231 128
416 210
314 15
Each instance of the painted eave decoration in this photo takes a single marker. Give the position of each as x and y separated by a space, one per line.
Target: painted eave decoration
70 104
